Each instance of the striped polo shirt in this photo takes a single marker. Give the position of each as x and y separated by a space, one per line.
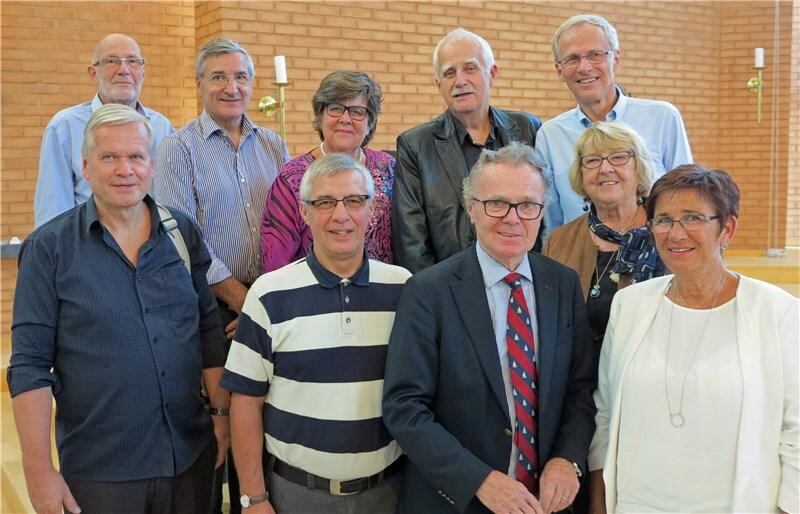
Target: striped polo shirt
314 345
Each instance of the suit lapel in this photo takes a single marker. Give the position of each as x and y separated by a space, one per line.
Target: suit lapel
469 296
450 154
545 291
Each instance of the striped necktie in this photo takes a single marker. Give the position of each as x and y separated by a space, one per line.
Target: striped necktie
524 377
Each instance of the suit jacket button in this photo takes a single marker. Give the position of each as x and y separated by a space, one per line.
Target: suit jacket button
508 432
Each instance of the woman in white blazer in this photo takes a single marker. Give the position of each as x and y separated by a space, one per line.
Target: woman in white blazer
697 399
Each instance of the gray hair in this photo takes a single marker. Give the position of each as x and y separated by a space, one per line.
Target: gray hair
515 154
113 115
592 19
221 46
460 34
344 85
330 165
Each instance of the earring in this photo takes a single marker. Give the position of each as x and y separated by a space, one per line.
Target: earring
585 205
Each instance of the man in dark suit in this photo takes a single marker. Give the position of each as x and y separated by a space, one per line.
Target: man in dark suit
489 377
429 223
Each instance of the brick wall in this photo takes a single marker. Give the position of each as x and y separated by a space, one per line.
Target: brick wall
748 149
793 201
44 52
696 55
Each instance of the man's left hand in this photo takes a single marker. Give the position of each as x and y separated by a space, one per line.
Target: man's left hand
222 433
558 485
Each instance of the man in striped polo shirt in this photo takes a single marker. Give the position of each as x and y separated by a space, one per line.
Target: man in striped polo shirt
307 361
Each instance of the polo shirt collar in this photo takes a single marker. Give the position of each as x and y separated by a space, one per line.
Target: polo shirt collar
494 272
208 126
462 134
328 279
616 113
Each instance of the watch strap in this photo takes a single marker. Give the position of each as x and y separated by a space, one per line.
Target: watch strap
249 501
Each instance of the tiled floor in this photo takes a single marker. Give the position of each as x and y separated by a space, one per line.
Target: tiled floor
782 271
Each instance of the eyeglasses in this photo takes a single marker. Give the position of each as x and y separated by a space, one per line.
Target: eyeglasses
220 79
689 222
327 204
591 162
500 208
132 62
594 57
356 112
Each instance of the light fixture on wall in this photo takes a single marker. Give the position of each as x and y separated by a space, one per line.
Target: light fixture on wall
268 105
756 84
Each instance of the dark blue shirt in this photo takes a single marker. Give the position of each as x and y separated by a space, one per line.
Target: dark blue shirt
122 347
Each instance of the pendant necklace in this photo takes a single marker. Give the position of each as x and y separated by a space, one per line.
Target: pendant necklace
361 156
594 292
676 418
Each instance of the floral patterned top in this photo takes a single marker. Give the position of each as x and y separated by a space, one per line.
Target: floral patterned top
285 237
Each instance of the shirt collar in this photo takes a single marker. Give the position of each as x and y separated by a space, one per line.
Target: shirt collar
616 113
208 126
97 103
494 272
461 132
328 279
90 218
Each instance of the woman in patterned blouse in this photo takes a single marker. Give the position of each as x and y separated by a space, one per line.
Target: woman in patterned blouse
346 107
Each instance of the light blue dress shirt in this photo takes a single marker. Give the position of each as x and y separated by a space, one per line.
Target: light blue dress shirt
659 123
498 294
61 185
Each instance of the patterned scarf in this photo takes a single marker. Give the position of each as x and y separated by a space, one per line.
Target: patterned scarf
637 256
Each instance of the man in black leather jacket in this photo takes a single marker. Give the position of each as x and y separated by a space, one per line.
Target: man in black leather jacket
429 222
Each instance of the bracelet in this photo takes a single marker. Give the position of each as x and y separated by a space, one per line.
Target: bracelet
219 411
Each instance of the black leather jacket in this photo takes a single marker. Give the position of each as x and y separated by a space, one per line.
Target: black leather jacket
429 222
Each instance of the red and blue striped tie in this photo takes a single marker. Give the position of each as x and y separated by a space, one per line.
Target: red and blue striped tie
524 377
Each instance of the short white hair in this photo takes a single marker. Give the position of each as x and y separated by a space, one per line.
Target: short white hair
514 154
460 34
592 19
113 115
330 165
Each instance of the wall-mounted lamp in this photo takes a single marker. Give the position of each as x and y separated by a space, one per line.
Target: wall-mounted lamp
268 105
756 84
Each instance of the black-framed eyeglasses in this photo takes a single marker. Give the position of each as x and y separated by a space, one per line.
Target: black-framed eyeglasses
500 208
132 62
356 112
591 162
689 222
326 204
594 57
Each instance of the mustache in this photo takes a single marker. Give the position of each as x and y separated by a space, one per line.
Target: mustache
461 90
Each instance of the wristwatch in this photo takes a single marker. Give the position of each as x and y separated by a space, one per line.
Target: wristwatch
578 471
248 501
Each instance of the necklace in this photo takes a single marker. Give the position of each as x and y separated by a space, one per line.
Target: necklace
361 156
676 418
594 292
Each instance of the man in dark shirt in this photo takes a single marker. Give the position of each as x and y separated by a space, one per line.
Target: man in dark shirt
429 223
114 323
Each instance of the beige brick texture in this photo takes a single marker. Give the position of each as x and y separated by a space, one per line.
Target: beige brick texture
697 55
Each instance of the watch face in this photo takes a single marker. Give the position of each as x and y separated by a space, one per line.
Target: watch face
244 500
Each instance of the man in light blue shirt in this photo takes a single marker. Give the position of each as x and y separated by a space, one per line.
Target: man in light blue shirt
118 70
586 52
